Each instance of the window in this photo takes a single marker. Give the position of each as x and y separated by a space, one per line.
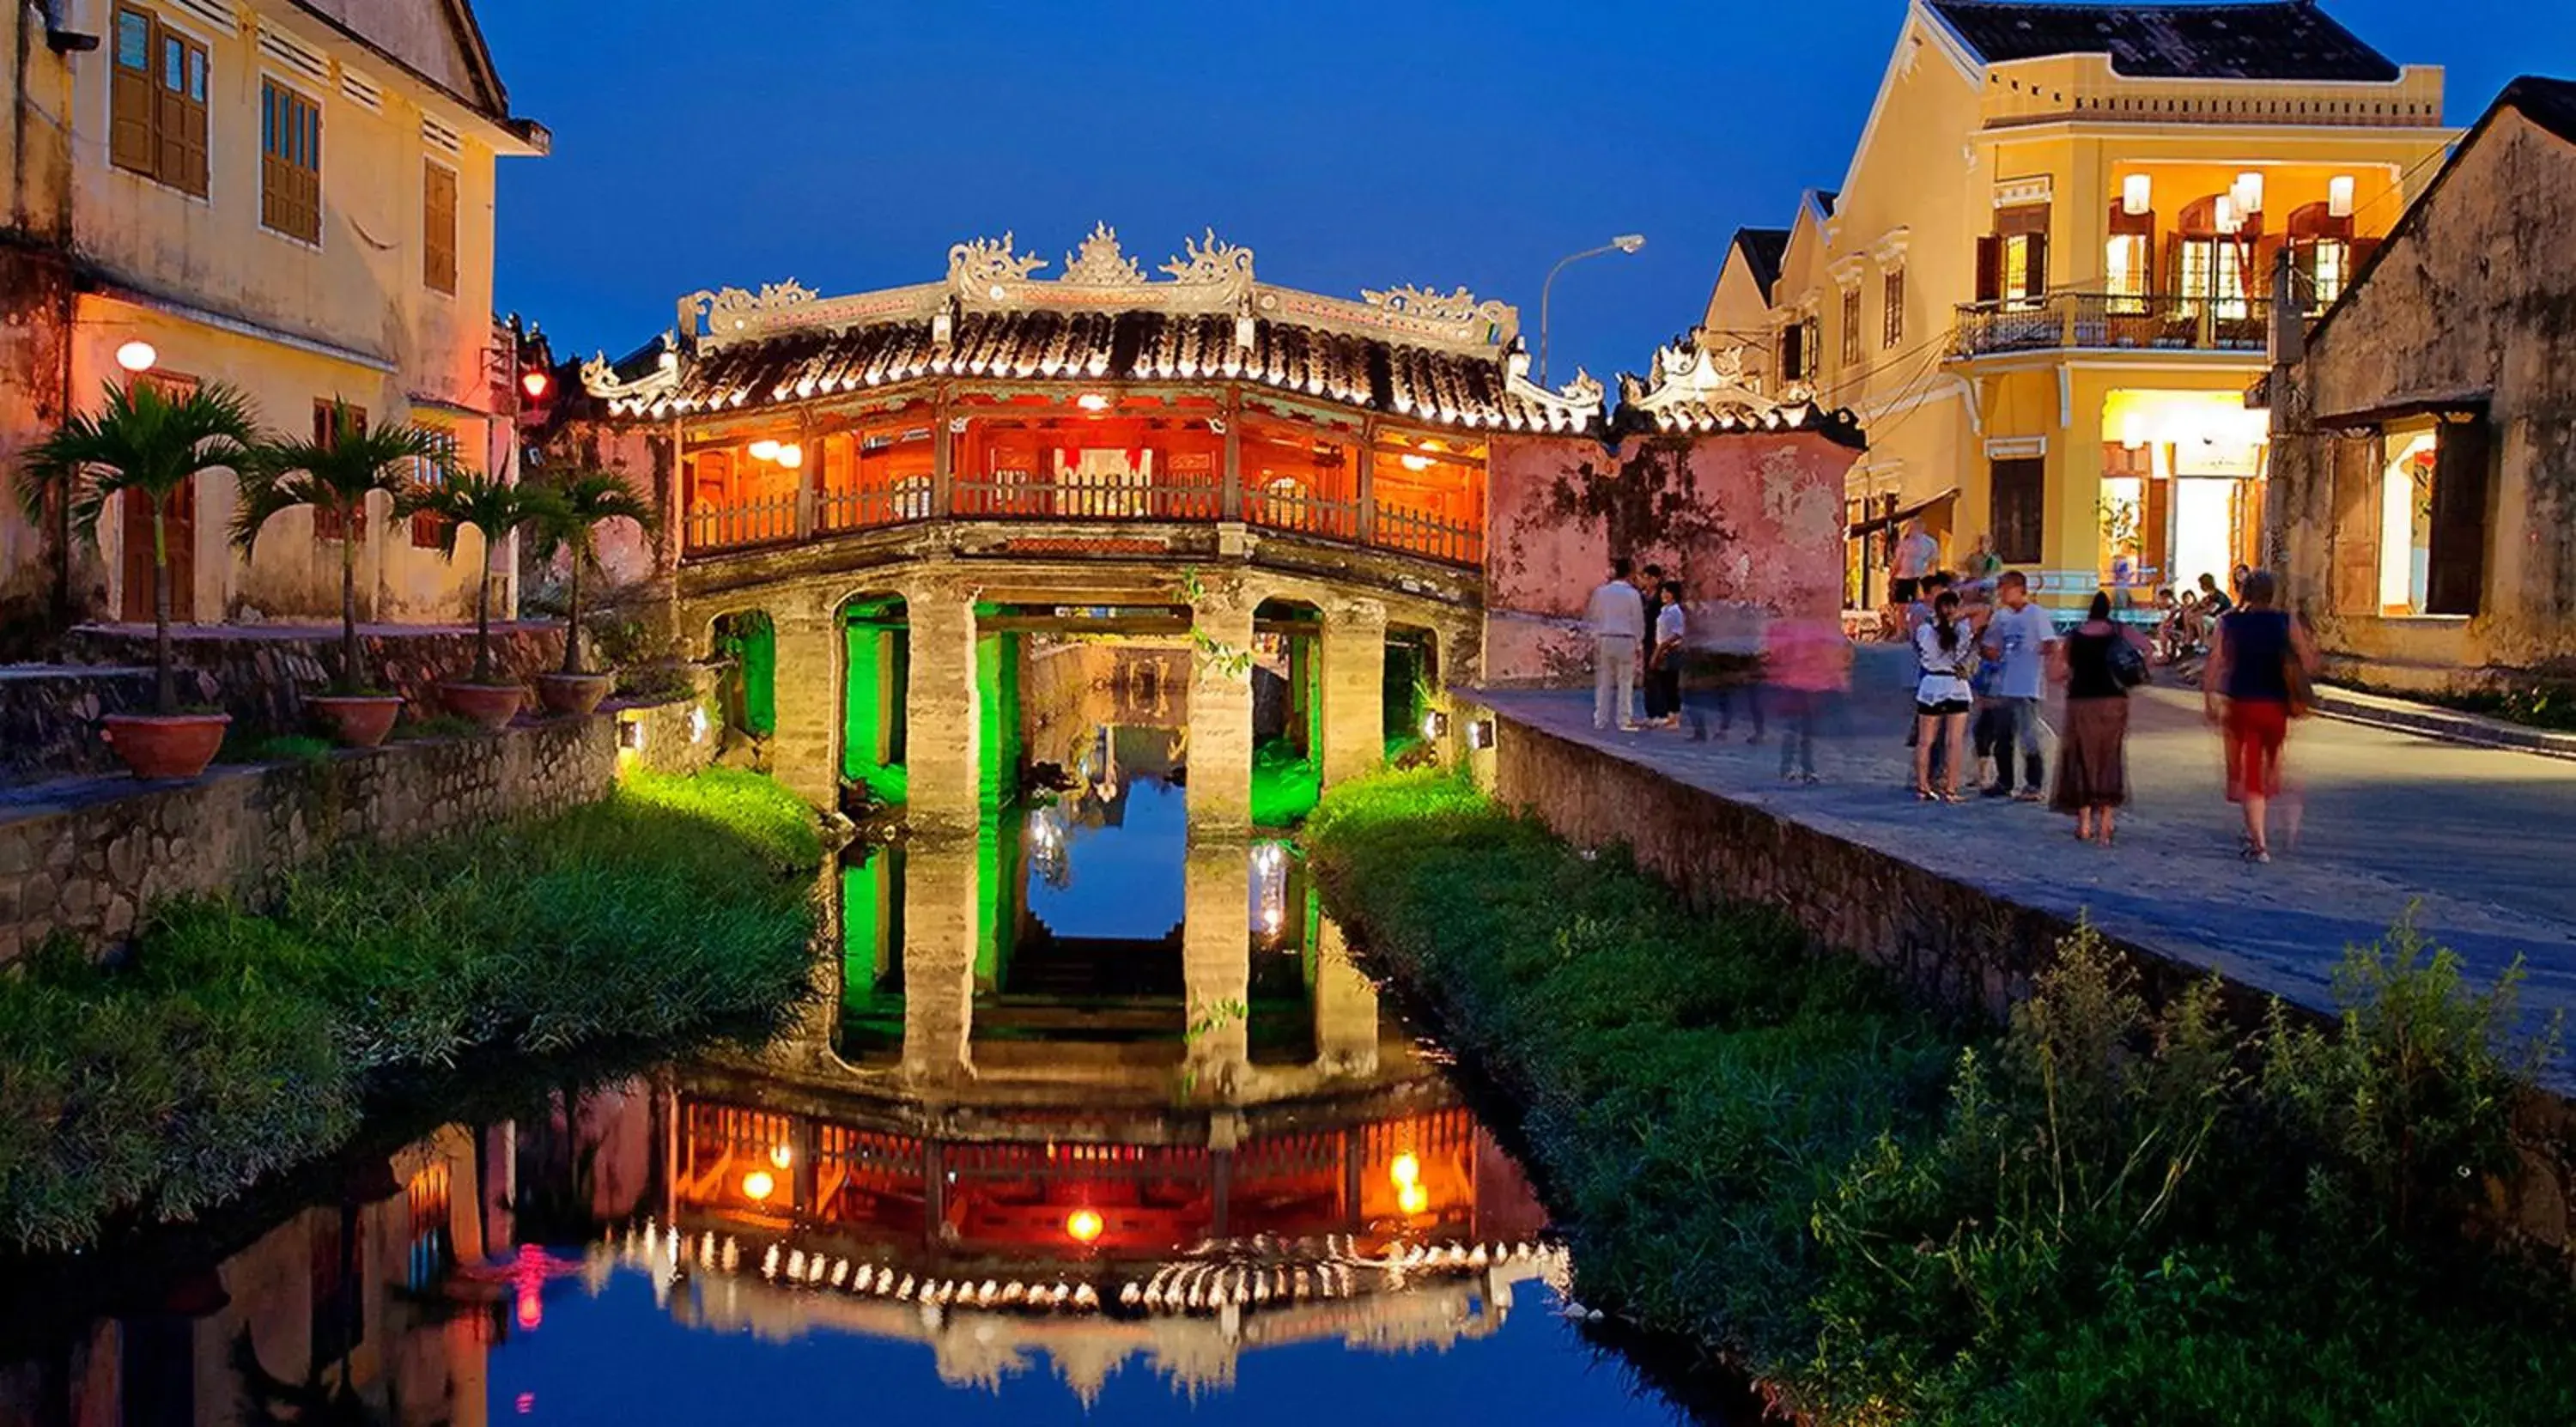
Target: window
2213 275
2019 495
329 524
2012 262
2434 503
1792 355
157 102
1811 342
2329 267
2128 260
1892 317
290 143
438 227
428 530
1851 327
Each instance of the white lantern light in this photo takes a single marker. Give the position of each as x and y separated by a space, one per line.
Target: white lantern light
138 356
2229 220
791 456
2137 194
764 450
2249 192
2339 195
2133 431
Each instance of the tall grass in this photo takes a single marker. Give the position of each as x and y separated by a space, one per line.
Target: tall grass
231 1045
2105 1213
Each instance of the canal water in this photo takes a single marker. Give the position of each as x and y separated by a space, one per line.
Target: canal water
1098 1123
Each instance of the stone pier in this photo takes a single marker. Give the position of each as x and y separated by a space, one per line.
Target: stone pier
1220 751
943 710
1354 686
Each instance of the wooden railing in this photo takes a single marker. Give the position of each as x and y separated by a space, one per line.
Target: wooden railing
789 518
2066 321
1419 532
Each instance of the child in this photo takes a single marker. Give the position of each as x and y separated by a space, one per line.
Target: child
1992 731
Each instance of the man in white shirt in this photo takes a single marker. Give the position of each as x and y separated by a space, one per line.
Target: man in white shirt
2022 637
1918 553
1617 618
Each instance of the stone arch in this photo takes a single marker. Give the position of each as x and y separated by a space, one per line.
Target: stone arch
872 727
745 640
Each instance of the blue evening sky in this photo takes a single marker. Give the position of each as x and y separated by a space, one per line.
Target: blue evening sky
1349 143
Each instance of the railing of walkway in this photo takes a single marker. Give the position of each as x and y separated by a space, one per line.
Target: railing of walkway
1085 497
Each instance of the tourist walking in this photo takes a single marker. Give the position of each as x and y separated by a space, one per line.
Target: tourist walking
2261 665
1664 666
2102 664
1651 589
2022 636
1917 552
1807 663
1616 616
1943 648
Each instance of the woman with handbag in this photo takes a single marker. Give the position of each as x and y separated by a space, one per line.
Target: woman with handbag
2260 670
2099 665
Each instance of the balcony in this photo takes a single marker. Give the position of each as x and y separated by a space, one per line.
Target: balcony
799 517
2093 321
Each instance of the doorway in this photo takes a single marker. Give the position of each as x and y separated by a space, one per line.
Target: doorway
179 533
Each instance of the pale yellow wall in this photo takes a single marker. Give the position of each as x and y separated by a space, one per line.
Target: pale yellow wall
225 299
1739 315
1944 132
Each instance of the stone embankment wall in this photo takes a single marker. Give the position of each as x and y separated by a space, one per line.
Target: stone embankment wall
261 674
89 859
49 717
1959 946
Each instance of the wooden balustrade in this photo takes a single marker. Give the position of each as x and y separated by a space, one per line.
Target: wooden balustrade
1080 498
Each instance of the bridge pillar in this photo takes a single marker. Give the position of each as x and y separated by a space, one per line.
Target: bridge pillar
943 712
1220 752
1354 687
1216 963
804 752
940 925
1345 1007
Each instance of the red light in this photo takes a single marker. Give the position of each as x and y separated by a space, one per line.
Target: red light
536 383
1083 1226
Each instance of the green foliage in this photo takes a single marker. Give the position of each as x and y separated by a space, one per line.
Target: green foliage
566 511
2108 1213
438 726
1285 786
232 1045
293 748
493 508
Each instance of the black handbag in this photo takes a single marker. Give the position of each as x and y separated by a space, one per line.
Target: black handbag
2129 665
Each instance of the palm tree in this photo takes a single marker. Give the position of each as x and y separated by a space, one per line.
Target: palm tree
337 476
144 440
494 508
571 507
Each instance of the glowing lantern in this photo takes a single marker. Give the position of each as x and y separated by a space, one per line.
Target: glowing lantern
764 450
536 382
1413 462
1092 401
2137 194
781 1156
791 456
1404 1169
758 1185
1084 1225
138 356
1413 1199
2339 195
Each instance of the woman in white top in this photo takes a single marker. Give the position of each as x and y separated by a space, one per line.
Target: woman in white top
1945 650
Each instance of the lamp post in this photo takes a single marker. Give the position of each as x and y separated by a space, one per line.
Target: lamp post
1624 243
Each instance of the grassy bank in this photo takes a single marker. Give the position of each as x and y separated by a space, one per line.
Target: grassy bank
230 1046
2101 1215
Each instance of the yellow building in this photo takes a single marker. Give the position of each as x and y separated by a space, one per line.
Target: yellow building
2045 283
291 197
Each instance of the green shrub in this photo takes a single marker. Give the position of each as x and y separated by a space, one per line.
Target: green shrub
233 1045
2106 1213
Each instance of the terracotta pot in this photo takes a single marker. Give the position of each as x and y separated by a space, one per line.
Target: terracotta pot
175 746
358 720
491 705
572 693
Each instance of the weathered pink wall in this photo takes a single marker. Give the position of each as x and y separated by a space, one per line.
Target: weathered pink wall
1751 523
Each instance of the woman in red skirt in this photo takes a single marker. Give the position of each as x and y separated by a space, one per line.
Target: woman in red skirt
2259 670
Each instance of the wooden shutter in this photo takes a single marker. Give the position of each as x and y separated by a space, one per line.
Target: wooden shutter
290 163
1990 268
2019 496
2458 576
1790 353
169 104
438 227
2355 468
190 109
2038 265
130 93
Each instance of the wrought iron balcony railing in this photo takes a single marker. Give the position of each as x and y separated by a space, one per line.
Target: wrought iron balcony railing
2075 321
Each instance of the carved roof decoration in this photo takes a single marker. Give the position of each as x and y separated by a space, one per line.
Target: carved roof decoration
1695 390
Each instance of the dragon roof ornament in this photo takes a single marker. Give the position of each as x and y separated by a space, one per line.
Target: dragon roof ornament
635 395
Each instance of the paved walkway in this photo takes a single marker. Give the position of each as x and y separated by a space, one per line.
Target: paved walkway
2484 839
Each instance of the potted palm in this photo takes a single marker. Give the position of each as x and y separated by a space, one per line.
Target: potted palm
493 509
153 444
337 476
570 508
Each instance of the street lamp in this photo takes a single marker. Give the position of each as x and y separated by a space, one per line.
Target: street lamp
1624 243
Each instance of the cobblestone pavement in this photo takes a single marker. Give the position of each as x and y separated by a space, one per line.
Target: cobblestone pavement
2483 840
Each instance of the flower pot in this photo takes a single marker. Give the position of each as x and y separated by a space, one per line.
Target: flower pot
165 746
358 720
491 705
571 693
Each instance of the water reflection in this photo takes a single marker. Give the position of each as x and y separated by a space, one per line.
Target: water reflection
1103 1121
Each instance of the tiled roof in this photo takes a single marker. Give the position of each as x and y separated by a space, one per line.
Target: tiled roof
1446 388
2550 103
1764 250
2284 39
